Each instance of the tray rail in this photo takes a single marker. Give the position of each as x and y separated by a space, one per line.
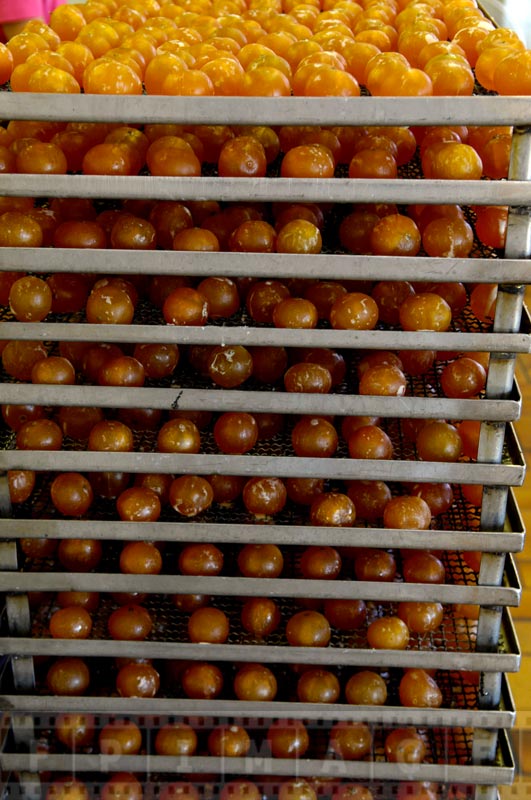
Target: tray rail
461 710
453 646
445 744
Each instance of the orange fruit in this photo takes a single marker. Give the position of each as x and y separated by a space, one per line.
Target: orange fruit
513 74
452 160
487 63
450 74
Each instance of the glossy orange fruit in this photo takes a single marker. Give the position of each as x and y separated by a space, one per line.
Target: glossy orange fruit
308 161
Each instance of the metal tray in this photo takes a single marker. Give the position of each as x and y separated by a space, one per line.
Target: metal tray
449 760
516 342
461 584
276 337
27 786
300 190
456 530
477 110
462 702
422 401
332 111
180 393
451 647
510 472
482 269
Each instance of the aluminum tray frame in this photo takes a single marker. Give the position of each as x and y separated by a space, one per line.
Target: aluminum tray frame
387 111
213 334
501 773
293 190
15 706
339 468
510 539
505 658
174 397
511 472
507 594
511 271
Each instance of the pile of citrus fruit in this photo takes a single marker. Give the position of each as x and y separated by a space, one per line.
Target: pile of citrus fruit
267 48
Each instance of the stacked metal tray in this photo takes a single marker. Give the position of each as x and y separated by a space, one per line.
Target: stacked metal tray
468 748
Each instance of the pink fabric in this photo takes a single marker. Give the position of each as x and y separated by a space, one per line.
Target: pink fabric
14 10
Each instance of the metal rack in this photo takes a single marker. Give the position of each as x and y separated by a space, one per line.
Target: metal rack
469 742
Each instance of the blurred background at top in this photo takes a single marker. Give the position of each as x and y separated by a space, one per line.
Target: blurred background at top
514 14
